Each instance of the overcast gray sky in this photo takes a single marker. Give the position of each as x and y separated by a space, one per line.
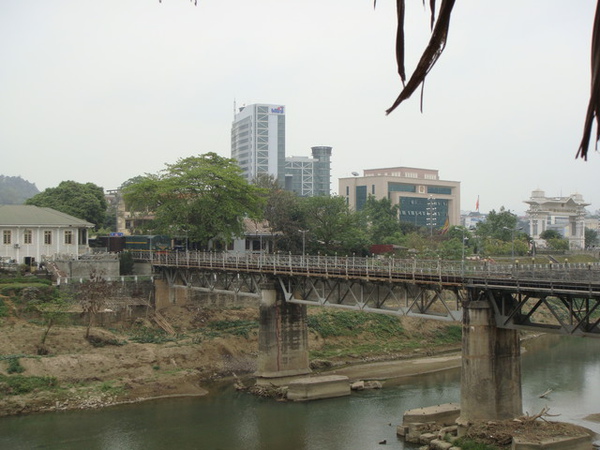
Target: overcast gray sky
101 91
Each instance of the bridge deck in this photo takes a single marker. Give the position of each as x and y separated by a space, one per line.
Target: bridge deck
561 298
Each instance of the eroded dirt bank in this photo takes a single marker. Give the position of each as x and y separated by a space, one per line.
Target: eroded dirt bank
141 362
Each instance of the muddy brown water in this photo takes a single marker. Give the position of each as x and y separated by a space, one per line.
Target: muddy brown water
230 420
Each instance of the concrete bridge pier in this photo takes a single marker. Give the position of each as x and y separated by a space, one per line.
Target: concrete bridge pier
282 338
491 367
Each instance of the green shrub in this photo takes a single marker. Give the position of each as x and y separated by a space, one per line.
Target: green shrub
146 335
14 365
28 291
449 335
3 309
19 384
352 323
234 327
25 280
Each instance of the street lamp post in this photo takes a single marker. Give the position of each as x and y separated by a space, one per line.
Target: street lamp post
463 251
512 239
303 243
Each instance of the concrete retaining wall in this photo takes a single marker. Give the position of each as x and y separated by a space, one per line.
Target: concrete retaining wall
313 388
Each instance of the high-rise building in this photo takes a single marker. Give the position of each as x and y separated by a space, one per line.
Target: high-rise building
309 177
423 199
258 141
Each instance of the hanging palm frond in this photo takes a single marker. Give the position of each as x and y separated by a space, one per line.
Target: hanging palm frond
593 110
400 40
432 52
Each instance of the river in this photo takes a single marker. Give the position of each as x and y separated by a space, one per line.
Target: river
230 420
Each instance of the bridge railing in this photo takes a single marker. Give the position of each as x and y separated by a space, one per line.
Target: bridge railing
376 267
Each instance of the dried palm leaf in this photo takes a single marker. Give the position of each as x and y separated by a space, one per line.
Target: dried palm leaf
593 111
432 52
400 40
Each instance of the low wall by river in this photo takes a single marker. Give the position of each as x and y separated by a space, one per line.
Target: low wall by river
181 295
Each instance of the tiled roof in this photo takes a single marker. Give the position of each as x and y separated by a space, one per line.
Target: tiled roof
29 215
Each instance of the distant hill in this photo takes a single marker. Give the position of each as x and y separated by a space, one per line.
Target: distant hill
15 190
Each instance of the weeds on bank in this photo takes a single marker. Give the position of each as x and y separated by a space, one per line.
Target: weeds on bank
234 327
146 335
14 364
3 309
371 334
448 335
19 384
223 328
109 388
353 323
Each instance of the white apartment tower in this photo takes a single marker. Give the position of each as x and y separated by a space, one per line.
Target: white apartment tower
258 141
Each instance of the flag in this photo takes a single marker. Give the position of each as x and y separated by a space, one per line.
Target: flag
477 204
446 226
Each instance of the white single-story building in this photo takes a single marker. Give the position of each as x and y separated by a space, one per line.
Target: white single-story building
30 232
258 238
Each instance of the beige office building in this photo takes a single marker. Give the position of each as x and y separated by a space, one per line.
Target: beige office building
424 199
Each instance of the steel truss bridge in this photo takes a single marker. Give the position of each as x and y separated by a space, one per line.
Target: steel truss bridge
556 298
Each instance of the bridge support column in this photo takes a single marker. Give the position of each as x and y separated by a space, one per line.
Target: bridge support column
282 338
491 367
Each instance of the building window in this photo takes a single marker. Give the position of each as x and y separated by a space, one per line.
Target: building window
361 197
68 237
28 237
47 237
400 187
444 190
6 237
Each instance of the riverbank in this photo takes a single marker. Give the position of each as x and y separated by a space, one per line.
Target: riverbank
139 362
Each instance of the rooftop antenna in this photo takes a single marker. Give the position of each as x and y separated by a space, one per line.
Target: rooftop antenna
234 108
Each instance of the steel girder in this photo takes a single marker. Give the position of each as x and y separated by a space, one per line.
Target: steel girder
554 312
431 301
240 283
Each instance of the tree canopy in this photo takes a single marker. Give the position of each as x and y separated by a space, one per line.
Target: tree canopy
85 201
332 226
498 225
201 197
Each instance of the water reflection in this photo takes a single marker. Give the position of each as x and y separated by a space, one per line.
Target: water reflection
230 420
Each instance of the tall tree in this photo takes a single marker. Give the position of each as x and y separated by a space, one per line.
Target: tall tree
85 201
498 225
591 237
202 196
331 226
382 219
283 210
